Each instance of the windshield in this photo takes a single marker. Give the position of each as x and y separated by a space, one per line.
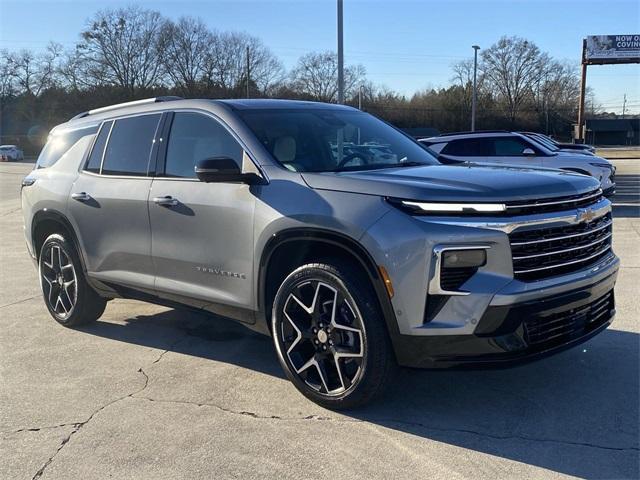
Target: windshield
544 141
322 140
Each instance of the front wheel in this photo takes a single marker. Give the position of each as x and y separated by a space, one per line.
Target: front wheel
330 336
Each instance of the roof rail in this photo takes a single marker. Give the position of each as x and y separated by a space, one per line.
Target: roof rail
134 103
471 133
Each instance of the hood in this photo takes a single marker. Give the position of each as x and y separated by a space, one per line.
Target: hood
448 183
576 151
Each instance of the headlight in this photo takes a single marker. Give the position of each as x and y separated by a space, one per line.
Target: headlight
602 165
432 207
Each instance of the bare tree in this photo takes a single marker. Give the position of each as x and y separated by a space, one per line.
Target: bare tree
33 73
227 64
513 67
188 42
124 47
316 75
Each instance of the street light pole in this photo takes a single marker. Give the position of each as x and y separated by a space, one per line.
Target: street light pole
474 98
340 56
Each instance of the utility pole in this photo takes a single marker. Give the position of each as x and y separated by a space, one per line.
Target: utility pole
360 98
580 134
248 71
624 105
340 56
474 97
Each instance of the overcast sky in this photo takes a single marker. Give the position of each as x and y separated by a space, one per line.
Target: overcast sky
405 45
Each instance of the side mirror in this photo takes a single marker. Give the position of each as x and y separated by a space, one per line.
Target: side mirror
527 152
223 169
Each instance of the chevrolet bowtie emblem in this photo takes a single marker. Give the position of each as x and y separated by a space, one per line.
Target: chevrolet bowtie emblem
586 215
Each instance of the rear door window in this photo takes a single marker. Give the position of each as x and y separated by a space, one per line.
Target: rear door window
130 144
467 147
60 143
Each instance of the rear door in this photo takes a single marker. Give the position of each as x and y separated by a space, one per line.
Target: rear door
109 206
201 233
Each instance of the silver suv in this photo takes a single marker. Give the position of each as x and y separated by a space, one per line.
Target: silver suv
324 227
512 148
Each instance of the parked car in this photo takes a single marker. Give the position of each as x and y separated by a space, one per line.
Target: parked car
511 148
576 147
11 153
353 262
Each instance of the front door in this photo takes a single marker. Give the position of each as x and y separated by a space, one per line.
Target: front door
512 151
202 233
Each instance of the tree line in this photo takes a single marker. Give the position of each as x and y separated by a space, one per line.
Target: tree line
131 53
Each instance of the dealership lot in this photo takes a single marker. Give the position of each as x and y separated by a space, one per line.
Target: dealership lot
149 392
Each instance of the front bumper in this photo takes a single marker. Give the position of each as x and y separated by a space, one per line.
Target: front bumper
510 334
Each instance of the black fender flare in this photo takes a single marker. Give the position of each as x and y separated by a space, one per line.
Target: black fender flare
58 217
350 246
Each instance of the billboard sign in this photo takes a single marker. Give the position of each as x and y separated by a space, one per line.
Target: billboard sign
613 47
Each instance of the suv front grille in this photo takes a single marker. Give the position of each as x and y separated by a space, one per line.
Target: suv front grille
554 204
546 252
570 323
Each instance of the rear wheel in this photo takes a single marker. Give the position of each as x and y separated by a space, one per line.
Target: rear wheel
330 336
69 298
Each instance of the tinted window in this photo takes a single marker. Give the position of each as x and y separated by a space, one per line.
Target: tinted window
95 159
468 147
59 143
130 145
322 139
437 147
545 141
508 147
196 137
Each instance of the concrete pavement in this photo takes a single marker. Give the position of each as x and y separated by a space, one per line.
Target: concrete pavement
150 392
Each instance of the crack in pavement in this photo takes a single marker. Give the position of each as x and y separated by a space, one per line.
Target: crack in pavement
37 429
169 349
78 426
5 214
387 422
19 301
379 421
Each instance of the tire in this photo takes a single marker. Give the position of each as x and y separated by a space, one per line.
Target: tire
330 336
69 298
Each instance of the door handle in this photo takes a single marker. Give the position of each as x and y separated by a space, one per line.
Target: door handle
81 196
166 201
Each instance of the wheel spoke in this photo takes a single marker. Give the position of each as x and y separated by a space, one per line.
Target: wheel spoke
336 361
298 333
59 258
65 289
324 377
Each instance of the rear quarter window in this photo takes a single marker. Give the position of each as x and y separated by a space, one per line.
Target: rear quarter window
60 142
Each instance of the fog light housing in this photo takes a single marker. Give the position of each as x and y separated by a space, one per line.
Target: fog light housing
464 258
